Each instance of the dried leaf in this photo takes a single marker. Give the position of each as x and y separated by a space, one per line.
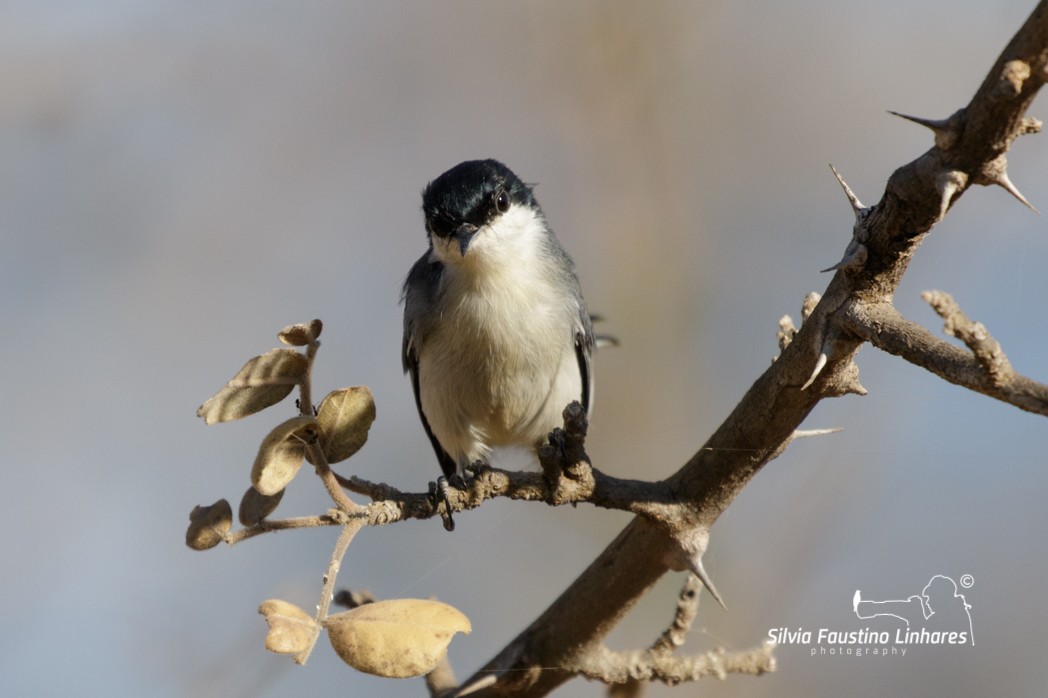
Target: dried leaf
263 381
301 334
255 506
291 629
208 525
345 416
398 638
280 455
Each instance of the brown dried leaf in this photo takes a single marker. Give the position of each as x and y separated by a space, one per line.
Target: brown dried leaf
301 334
263 381
291 629
255 506
280 455
208 525
398 638
345 416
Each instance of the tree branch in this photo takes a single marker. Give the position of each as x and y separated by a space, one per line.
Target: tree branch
566 478
674 517
654 500
969 148
985 370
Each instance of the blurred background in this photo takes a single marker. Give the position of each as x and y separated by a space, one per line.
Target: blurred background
178 181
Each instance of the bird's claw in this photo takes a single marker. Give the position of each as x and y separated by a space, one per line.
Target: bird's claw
438 492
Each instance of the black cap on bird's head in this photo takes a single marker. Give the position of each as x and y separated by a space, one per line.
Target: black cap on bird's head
469 196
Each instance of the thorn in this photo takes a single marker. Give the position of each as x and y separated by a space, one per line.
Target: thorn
855 388
856 205
945 130
948 184
819 365
936 125
1003 181
804 433
699 571
482 682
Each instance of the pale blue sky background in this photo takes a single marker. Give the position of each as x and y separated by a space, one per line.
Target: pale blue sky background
180 180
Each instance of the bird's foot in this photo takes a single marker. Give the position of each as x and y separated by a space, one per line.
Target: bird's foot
438 492
469 473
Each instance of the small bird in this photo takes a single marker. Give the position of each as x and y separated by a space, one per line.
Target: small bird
497 339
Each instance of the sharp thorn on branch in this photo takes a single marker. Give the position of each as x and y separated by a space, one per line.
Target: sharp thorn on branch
1006 183
471 688
699 571
949 183
805 433
855 388
819 365
856 205
934 124
945 130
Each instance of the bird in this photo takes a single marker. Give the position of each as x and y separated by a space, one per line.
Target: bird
497 338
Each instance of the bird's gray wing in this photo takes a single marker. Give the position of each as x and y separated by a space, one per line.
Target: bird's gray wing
420 290
584 345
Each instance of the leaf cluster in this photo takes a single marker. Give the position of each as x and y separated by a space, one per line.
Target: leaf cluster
394 638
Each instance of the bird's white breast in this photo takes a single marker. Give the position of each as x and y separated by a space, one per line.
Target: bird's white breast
499 366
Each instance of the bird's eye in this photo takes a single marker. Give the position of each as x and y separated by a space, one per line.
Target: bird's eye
502 202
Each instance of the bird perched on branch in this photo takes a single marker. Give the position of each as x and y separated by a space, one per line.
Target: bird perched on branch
497 339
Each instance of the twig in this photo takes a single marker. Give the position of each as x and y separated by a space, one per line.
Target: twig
332 518
884 327
986 349
345 537
316 453
305 388
327 476
577 482
687 608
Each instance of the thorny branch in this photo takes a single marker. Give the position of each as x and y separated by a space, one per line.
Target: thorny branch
816 362
672 527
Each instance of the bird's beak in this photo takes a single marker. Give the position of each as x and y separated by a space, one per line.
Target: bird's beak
464 235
